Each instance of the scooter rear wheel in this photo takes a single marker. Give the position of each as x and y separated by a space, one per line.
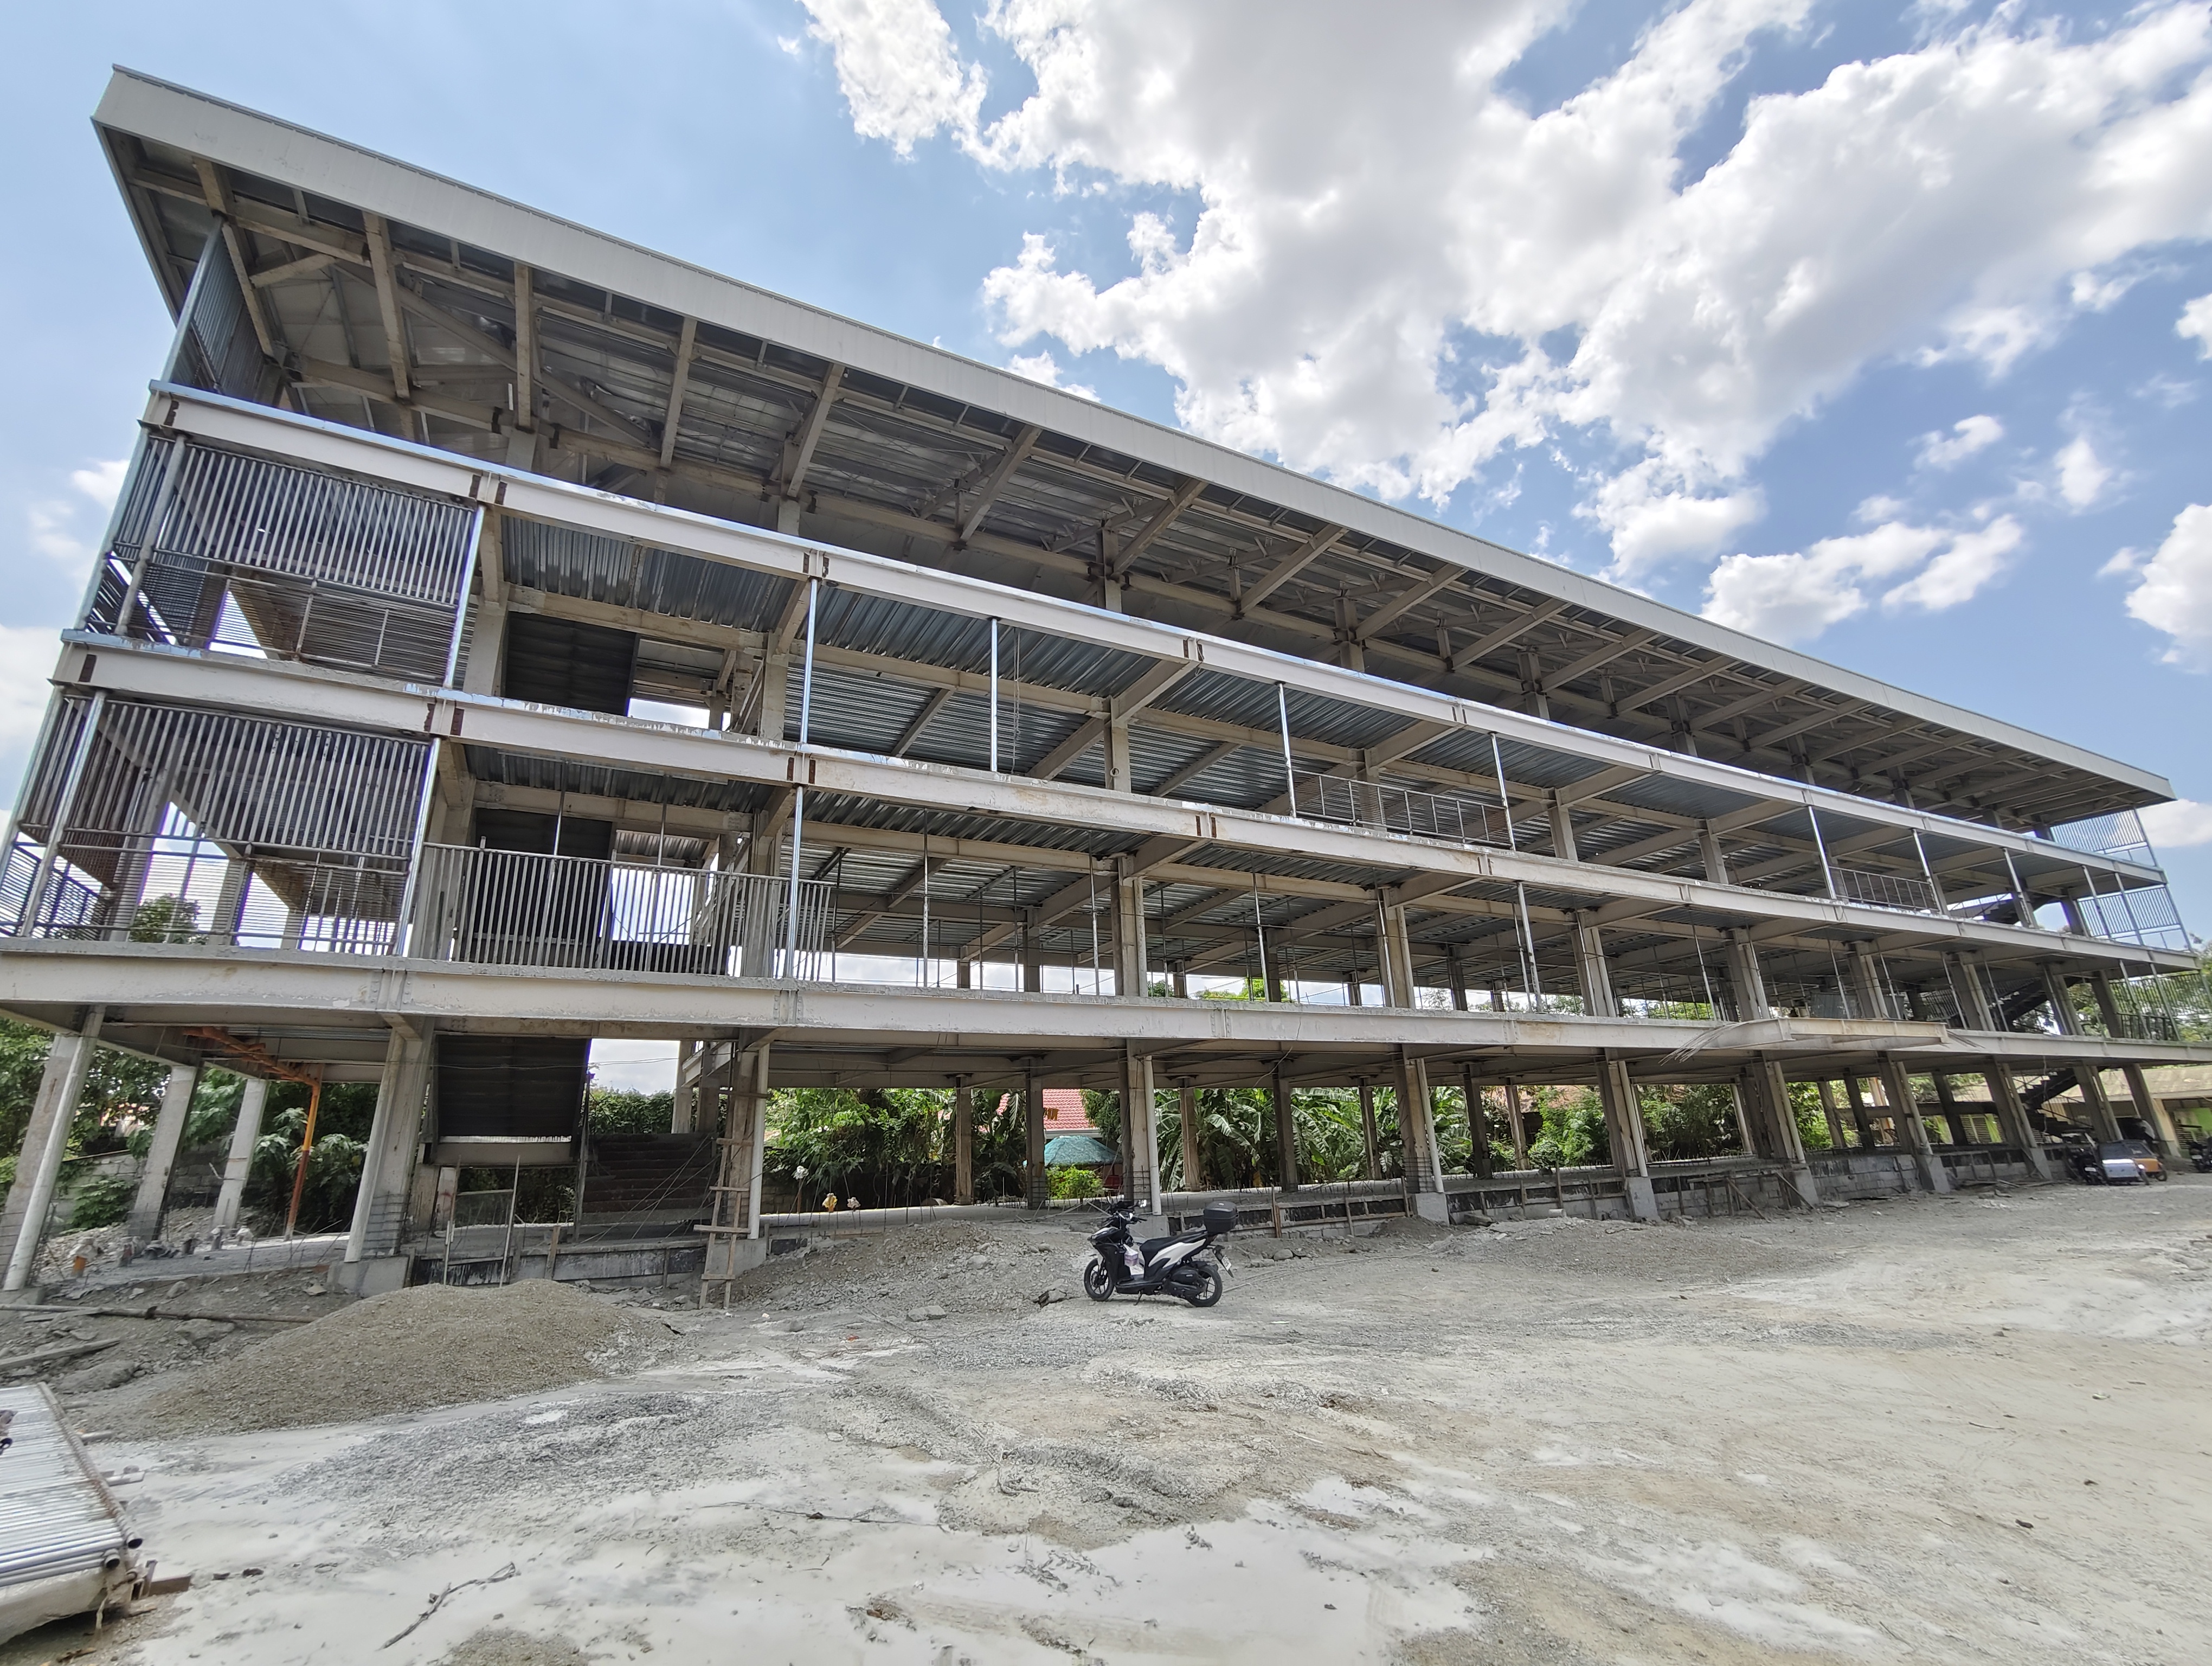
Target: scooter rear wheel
1206 1291
1097 1282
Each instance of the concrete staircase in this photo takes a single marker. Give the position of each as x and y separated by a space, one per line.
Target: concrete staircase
647 1179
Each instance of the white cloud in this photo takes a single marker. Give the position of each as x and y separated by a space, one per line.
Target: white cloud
898 69
26 654
1650 522
1959 574
1794 598
2174 591
63 529
1343 256
1968 435
1043 368
2197 322
2083 476
2182 823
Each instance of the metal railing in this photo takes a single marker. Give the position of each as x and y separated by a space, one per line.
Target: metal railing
1885 891
1394 809
508 907
215 549
178 886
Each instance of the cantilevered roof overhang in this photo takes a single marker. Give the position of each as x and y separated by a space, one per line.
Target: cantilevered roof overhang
397 300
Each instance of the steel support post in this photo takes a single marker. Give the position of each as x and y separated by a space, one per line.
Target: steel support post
1370 1133
1518 1128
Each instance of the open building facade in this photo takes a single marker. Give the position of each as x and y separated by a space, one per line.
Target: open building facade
507 637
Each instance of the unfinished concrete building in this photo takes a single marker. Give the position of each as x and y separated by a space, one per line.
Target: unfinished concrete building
507 636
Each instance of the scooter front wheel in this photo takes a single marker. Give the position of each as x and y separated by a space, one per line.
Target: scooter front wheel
1097 1282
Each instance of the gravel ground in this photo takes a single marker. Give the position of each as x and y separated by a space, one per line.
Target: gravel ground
1974 1430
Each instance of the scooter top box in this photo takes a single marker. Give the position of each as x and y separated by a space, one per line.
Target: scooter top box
1220 1218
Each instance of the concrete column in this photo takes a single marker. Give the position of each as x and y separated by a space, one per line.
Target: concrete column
1141 1141
1035 1190
1514 1124
1624 1123
388 1166
1455 975
1397 952
1745 977
144 1223
736 1246
2062 1001
1193 1165
1868 1140
963 1143
1563 831
488 639
2108 1007
1954 1118
1983 991
1130 974
763 860
1032 967
774 685
1590 970
2102 1122
1417 1134
2154 1112
1370 1134
1117 746
1828 1109
1709 847
237 1166
1478 1124
1786 1145
449 1186
23 1219
2012 1117
683 1116
1286 1140
1912 1133
1871 1000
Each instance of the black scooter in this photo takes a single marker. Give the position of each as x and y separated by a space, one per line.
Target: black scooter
1190 1265
2200 1157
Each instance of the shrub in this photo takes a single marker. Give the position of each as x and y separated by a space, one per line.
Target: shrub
1071 1181
101 1200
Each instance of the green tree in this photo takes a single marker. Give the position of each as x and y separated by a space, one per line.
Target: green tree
624 1110
883 1146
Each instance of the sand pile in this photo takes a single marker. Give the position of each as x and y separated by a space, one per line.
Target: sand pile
408 1351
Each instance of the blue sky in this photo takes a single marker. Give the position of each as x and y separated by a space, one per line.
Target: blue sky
1857 325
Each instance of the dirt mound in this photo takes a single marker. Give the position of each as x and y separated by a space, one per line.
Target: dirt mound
406 1352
